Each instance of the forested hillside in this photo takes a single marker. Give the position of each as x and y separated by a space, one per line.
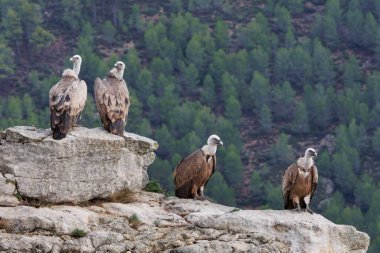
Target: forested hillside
269 77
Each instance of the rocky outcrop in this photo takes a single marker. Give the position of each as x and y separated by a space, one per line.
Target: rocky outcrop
87 164
93 164
155 223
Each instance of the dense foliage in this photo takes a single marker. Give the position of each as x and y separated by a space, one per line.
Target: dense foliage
270 77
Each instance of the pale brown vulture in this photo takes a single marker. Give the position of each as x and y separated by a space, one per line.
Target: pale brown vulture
66 100
112 100
193 172
299 182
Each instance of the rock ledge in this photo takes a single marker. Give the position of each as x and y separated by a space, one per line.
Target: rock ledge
166 224
87 164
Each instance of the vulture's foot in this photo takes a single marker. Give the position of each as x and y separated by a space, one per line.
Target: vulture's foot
298 208
200 198
309 210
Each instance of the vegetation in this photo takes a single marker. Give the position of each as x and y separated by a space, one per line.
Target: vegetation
153 186
78 233
270 77
134 221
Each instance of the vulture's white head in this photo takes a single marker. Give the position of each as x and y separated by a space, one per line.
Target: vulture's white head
120 65
310 152
118 70
76 58
212 143
77 61
214 140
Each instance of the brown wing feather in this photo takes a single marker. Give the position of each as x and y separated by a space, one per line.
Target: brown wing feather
314 183
112 101
288 178
188 168
66 101
213 167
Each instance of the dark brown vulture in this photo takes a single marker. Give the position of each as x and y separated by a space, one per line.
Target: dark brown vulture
66 100
193 172
299 182
112 100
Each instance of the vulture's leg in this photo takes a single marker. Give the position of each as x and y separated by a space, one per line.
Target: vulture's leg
194 192
296 201
202 196
307 202
78 117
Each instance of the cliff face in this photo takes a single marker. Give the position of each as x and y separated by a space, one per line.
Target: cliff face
87 164
155 223
91 163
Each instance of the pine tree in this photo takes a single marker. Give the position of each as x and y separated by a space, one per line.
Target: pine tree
352 74
259 59
195 52
232 167
334 10
265 119
232 110
6 61
219 190
208 96
322 64
144 84
355 24
343 172
221 34
260 90
283 101
370 29
281 152
300 123
282 18
229 86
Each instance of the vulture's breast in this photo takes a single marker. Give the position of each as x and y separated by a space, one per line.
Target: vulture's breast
302 186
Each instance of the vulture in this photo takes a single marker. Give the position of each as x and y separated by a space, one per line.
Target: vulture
112 100
299 182
193 172
66 100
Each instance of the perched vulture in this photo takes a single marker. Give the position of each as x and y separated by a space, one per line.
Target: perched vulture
193 172
112 100
66 100
299 182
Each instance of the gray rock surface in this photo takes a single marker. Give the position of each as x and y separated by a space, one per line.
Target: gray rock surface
87 164
168 224
7 190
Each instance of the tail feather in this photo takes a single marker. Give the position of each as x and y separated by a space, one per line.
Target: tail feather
61 123
117 127
57 134
184 191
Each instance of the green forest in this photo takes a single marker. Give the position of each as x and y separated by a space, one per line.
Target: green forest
270 77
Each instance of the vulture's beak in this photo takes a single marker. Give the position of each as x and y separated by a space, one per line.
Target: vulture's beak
315 154
220 143
71 59
115 65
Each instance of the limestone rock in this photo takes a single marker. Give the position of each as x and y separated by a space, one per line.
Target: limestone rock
7 191
205 227
19 243
87 164
301 232
58 220
147 214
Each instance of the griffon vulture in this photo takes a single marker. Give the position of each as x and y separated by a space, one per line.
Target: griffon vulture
193 172
299 182
112 100
66 100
